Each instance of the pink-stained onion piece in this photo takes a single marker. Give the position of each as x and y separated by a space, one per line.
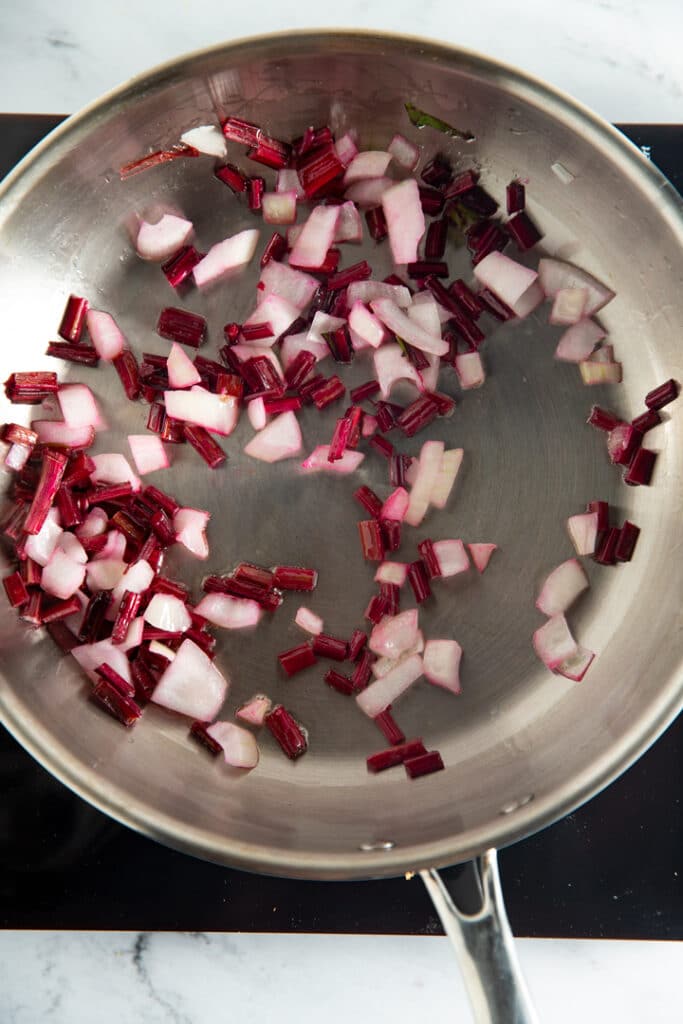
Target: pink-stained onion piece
113 468
583 532
406 154
383 692
576 666
398 322
516 285
394 634
78 406
470 370
555 275
561 588
481 554
255 710
318 461
240 749
229 612
316 238
441 661
149 454
62 576
226 258
192 685
159 241
431 457
182 373
280 439
578 341
107 338
554 643
308 621
405 220
190 529
452 557
216 413
168 613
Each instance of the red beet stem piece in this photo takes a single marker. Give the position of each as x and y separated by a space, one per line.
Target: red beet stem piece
309 387
495 306
391 534
15 588
523 231
431 200
437 172
297 658
357 272
268 599
287 731
623 456
398 468
31 611
376 609
156 417
603 419
181 326
270 152
51 473
646 421
372 543
339 682
109 492
13 433
640 469
362 673
293 577
161 156
159 497
206 641
126 366
327 392
69 512
357 644
143 678
166 636
60 609
31 388
255 189
30 572
340 439
391 595
605 554
381 445
287 403
128 609
515 196
418 415
203 443
369 500
423 764
71 326
84 355
427 268
377 223
661 396
200 735
262 377
180 265
339 344
419 581
385 417
363 391
602 508
121 707
299 369
326 646
626 542
254 332
328 266
165 585
318 169
93 619
105 671
435 242
388 727
470 302
462 183
275 249
254 574
237 130
428 555
395 755
62 636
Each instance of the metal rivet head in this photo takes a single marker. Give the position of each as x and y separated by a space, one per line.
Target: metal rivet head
378 846
515 805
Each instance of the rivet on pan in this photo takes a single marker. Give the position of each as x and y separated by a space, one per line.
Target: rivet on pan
515 805
381 844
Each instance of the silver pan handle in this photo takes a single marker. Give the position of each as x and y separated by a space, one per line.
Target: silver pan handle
485 947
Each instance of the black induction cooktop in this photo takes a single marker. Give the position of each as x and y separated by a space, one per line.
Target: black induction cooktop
610 870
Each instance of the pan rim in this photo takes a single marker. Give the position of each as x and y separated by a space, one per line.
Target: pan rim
647 727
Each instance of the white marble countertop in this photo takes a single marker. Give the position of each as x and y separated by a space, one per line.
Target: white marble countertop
622 58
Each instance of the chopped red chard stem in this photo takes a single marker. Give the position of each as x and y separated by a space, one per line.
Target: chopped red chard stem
62 636
418 415
641 467
423 764
236 130
622 443
119 706
15 588
293 577
464 295
13 433
152 552
12 525
523 231
372 543
31 610
400 464
165 636
391 595
391 534
339 682
268 599
51 473
626 542
275 249
60 609
603 419
431 200
73 320
357 644
358 272
493 240
181 326
417 357
419 581
288 403
309 387
30 572
395 755
200 735
232 332
121 686
605 552
163 528
108 492
162 156
661 396
339 344
376 609
602 509
435 242
369 500
437 172
93 545
144 680
254 574
255 189
128 609
326 646
287 731
646 421
31 388
203 443
156 417
84 355
126 366
390 730
299 369
165 585
494 305
478 201
206 641
319 169
328 266
462 183
385 418
515 197
428 556
327 392
179 267
363 671
355 415
377 223
381 445
426 268
262 377
134 533
159 497
254 332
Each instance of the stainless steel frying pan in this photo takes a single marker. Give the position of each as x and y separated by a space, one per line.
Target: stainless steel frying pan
522 747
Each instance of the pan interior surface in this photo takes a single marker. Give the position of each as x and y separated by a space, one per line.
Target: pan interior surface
521 746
